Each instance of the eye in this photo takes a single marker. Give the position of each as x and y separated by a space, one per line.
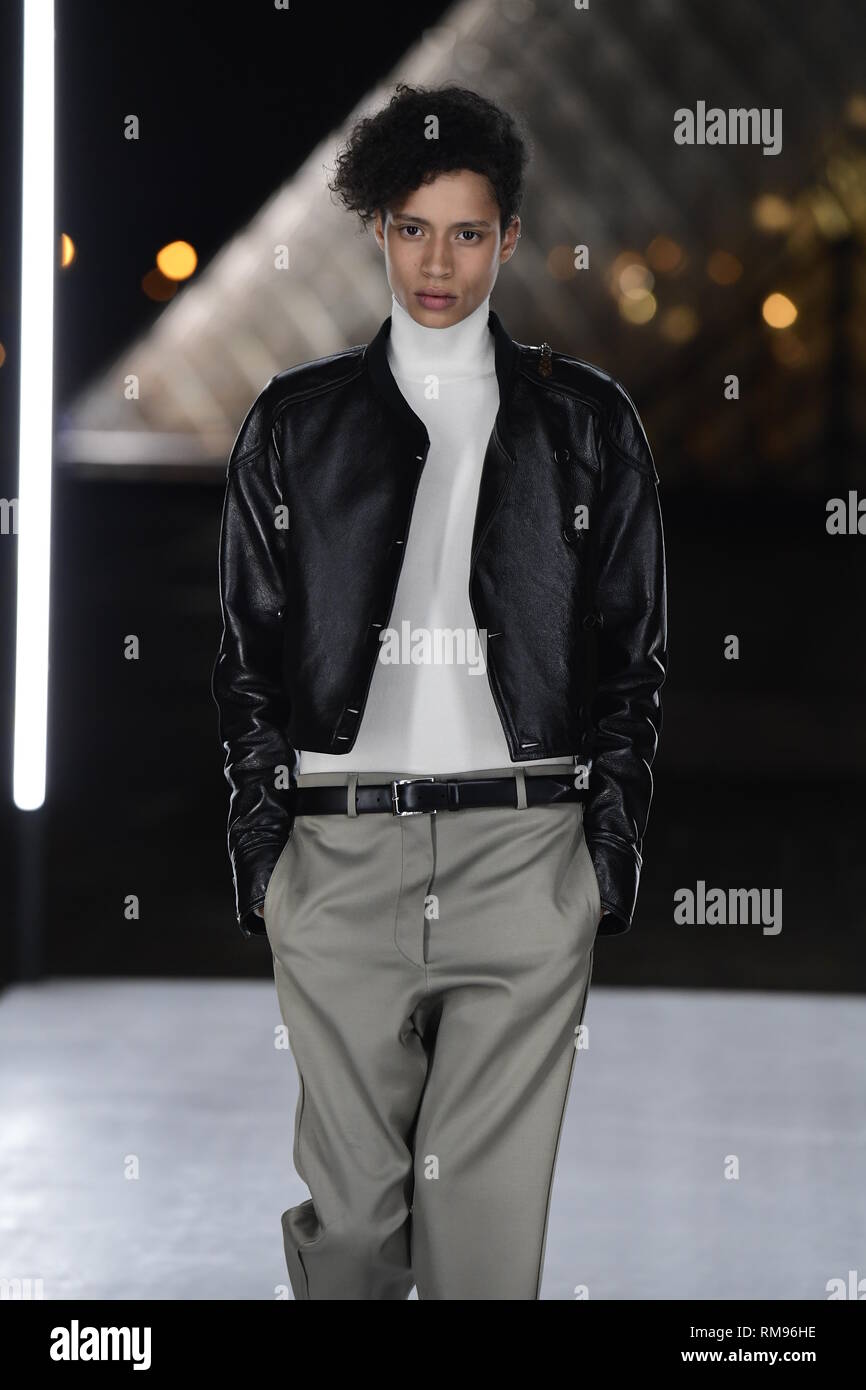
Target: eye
468 231
411 227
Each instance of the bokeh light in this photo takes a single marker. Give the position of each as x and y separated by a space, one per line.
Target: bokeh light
177 260
778 310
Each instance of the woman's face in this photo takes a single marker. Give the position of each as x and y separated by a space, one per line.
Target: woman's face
444 236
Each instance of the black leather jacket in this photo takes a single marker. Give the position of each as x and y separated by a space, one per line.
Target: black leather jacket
320 487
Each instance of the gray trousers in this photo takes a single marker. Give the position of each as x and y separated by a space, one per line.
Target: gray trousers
432 972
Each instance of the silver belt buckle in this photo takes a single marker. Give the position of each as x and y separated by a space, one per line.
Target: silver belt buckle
401 782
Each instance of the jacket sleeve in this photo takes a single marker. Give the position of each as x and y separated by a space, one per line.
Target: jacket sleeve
631 660
247 681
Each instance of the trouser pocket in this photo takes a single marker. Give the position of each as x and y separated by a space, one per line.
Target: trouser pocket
273 881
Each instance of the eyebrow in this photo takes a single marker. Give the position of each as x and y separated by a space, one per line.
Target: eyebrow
423 222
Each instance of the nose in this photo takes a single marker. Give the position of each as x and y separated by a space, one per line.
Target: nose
437 261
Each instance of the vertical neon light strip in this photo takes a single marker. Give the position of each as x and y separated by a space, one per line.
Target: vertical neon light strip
38 260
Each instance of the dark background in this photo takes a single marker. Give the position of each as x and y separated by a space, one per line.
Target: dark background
762 762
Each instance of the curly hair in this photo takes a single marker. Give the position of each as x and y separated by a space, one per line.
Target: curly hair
388 155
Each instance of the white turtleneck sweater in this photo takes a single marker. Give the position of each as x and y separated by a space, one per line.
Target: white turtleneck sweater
436 715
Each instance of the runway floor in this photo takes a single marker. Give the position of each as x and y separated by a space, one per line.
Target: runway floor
146 1135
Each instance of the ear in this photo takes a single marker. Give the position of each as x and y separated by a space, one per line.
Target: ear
509 241
379 231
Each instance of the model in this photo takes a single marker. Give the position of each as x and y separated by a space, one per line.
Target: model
442 582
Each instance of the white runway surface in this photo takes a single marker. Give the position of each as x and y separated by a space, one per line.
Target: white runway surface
714 1144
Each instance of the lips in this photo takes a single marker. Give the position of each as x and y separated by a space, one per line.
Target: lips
435 299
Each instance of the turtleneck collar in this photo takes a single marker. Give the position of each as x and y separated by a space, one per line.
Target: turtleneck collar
464 349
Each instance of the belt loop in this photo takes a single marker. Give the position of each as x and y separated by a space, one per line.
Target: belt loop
351 794
520 777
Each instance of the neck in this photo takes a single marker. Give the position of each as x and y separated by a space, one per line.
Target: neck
462 349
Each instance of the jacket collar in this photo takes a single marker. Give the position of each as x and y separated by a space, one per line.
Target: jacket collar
506 352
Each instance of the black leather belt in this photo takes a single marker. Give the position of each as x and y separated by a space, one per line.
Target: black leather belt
417 796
